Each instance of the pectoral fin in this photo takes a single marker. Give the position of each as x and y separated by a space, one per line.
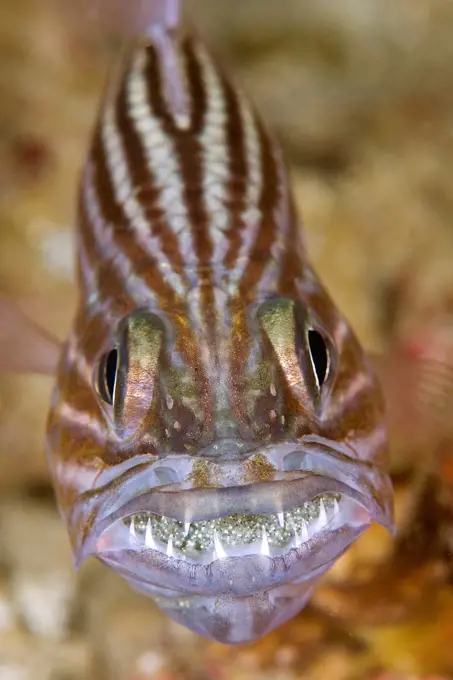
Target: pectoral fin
25 347
418 390
418 385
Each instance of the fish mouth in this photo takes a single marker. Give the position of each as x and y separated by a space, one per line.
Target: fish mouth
237 538
235 535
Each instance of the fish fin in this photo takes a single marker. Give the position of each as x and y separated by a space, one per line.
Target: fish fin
158 22
166 13
128 18
418 390
25 347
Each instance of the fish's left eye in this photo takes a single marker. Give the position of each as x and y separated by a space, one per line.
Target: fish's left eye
319 355
106 377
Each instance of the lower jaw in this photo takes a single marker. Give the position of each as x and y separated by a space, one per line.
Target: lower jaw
235 620
235 576
234 600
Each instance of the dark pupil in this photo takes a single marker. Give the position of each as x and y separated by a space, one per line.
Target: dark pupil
108 375
319 356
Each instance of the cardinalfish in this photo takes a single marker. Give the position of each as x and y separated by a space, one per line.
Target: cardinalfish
217 434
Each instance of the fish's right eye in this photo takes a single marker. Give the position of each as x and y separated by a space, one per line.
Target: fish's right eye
106 377
319 355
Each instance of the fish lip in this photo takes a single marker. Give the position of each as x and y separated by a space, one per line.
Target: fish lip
233 576
209 503
264 498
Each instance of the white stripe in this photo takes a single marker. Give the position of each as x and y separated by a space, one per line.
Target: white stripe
125 195
75 359
216 173
75 475
341 334
161 160
69 415
89 279
344 400
174 83
254 184
94 304
254 164
221 380
196 315
308 283
370 444
282 225
216 159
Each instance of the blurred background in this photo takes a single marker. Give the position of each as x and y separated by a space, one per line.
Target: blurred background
360 94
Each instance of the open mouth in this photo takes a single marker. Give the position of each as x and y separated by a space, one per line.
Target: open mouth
164 534
235 535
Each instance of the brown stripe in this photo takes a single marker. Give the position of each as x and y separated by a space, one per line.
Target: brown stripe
196 90
291 267
260 254
241 344
190 156
196 87
238 172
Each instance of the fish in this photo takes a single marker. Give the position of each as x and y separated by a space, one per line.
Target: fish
217 434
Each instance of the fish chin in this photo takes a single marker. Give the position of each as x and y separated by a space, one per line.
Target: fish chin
234 620
233 578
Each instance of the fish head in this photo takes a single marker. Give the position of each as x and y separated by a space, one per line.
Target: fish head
222 473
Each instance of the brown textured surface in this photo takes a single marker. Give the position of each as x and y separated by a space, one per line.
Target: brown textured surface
361 96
